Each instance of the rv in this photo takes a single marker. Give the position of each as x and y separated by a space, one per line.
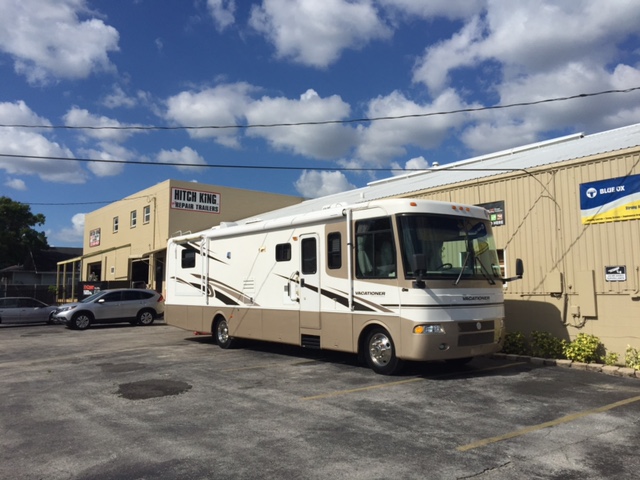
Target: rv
390 280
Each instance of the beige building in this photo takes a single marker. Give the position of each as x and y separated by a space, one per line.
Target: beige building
125 242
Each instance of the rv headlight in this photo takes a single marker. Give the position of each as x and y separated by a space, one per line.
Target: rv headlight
432 328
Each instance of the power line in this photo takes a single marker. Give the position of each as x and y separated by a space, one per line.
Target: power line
201 165
322 122
248 167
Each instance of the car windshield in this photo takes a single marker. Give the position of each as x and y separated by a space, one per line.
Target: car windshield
92 298
448 246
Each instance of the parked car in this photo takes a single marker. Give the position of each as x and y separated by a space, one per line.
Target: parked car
25 310
133 305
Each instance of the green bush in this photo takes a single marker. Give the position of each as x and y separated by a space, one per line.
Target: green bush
585 348
632 358
611 358
515 344
545 345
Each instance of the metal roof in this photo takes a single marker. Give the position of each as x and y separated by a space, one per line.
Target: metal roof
539 154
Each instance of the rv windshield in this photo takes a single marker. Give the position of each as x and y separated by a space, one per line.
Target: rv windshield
447 246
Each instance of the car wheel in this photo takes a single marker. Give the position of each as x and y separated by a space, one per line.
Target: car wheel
81 321
381 352
221 333
145 317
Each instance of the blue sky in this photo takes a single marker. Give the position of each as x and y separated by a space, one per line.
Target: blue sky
192 63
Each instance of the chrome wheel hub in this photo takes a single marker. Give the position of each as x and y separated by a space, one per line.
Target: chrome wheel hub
380 349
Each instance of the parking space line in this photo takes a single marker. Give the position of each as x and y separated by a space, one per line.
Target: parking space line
552 423
402 382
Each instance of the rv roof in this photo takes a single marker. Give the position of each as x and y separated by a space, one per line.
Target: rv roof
388 206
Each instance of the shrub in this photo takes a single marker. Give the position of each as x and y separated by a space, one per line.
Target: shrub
632 358
611 358
585 348
515 344
545 345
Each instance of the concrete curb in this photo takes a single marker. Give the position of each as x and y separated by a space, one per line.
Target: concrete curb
590 367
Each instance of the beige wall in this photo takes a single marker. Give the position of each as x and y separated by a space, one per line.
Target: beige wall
115 250
564 290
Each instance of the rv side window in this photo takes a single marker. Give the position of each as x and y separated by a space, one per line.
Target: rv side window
188 258
375 250
283 252
309 260
334 251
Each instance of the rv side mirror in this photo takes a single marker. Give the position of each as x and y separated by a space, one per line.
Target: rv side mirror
419 266
519 268
419 262
519 272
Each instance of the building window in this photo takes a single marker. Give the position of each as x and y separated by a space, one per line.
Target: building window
116 224
134 218
146 214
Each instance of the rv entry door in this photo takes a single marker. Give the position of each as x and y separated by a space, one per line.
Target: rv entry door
309 282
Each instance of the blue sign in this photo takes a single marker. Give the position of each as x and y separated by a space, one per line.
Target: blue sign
610 200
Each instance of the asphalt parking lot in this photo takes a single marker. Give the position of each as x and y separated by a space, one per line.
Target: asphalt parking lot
118 402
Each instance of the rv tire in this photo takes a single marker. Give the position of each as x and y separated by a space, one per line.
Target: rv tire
221 334
380 352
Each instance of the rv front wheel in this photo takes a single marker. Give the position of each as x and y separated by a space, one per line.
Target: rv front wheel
221 332
381 352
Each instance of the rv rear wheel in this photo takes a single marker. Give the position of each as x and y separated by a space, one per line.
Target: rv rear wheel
381 352
221 332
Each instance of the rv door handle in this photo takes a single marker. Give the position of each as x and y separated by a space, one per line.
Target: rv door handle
302 283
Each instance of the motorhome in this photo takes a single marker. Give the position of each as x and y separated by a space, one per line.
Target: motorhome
390 280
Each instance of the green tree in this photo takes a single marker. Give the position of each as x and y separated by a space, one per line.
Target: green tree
18 239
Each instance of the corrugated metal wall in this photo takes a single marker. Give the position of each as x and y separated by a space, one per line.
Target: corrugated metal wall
564 290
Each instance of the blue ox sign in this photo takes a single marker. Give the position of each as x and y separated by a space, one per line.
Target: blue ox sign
610 200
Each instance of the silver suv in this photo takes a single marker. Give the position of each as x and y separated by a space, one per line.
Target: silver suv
134 305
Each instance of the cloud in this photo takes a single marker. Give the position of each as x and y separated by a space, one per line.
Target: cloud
73 234
530 52
118 98
434 8
107 151
186 156
231 104
16 184
313 184
413 165
222 12
385 140
314 33
23 142
309 140
79 117
223 105
48 40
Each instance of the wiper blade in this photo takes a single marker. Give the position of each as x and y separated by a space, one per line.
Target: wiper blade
485 272
464 264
